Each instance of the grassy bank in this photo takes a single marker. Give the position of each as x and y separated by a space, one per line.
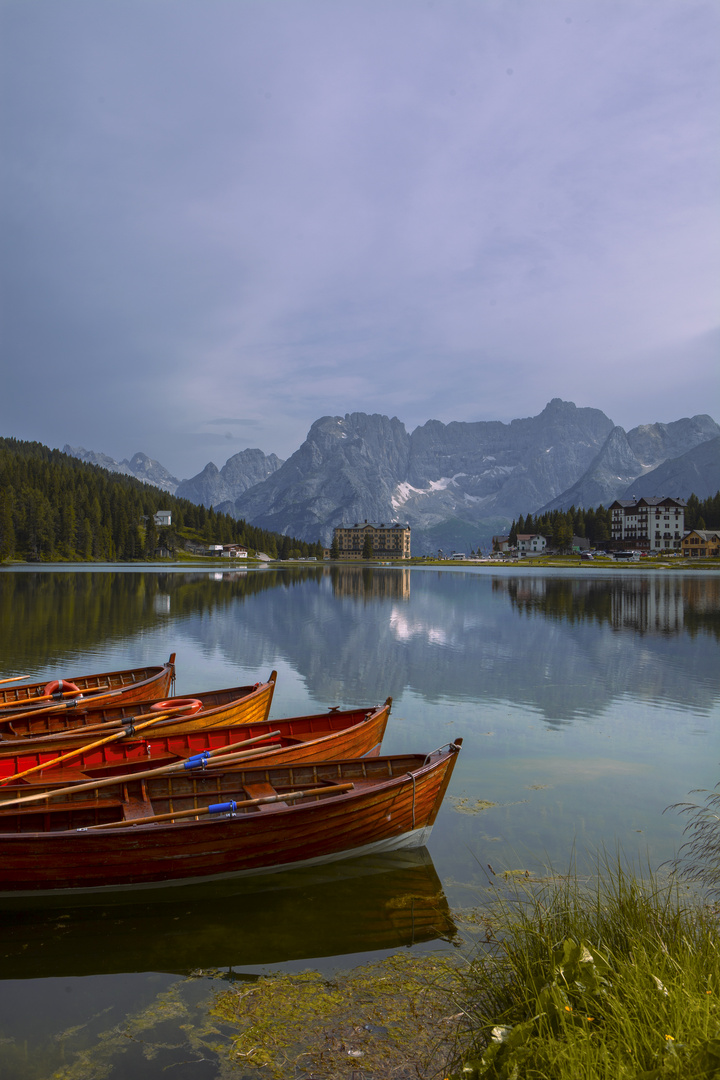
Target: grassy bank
622 982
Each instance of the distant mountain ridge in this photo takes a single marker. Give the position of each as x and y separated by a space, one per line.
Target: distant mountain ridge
452 483
697 471
215 487
211 487
628 463
456 484
140 466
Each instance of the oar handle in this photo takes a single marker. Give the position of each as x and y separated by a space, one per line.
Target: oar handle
222 808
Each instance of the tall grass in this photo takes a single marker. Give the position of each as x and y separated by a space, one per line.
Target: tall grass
618 983
699 857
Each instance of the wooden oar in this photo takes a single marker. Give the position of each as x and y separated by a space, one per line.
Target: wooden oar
75 694
10 713
92 785
114 737
14 678
29 742
221 808
26 742
89 729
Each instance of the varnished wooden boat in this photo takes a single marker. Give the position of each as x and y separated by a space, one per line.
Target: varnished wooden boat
74 727
211 824
136 684
351 733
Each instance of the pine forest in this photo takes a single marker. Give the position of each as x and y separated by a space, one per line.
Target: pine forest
56 508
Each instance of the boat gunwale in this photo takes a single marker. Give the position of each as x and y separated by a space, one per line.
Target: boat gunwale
154 671
441 757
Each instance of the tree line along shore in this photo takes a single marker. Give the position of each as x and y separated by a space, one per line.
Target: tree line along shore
559 526
56 508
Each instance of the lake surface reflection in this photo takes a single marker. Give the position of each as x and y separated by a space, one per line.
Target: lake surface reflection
588 702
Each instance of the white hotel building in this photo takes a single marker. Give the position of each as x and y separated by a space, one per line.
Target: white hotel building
647 524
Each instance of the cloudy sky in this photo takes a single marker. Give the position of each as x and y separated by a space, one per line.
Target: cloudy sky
223 219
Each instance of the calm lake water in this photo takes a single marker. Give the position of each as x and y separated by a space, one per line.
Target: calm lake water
588 703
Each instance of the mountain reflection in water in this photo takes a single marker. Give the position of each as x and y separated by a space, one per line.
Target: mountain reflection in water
565 644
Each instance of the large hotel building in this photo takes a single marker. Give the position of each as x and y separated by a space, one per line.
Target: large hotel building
647 524
388 541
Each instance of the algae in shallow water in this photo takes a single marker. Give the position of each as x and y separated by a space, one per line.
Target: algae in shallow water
382 1017
170 1030
395 1017
465 806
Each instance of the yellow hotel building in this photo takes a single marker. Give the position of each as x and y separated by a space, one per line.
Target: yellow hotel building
388 541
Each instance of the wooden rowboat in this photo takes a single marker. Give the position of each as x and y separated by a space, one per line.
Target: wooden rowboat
212 824
215 708
352 733
136 684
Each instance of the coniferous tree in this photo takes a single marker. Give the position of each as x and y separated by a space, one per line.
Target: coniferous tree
692 512
151 538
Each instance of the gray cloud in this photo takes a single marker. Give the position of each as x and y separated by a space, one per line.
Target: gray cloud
282 211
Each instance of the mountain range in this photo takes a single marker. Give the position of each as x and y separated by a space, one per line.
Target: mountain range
140 466
456 484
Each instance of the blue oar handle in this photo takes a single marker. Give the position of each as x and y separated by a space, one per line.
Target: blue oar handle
197 762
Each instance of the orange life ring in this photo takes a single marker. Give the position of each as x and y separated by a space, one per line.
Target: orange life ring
61 687
188 705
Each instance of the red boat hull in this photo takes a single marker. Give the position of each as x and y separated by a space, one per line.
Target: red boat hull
353 733
393 803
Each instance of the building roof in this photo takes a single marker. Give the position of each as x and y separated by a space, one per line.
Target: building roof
705 534
373 525
647 500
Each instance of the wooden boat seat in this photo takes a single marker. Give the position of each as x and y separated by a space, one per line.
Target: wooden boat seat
24 783
108 768
136 808
59 776
260 790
